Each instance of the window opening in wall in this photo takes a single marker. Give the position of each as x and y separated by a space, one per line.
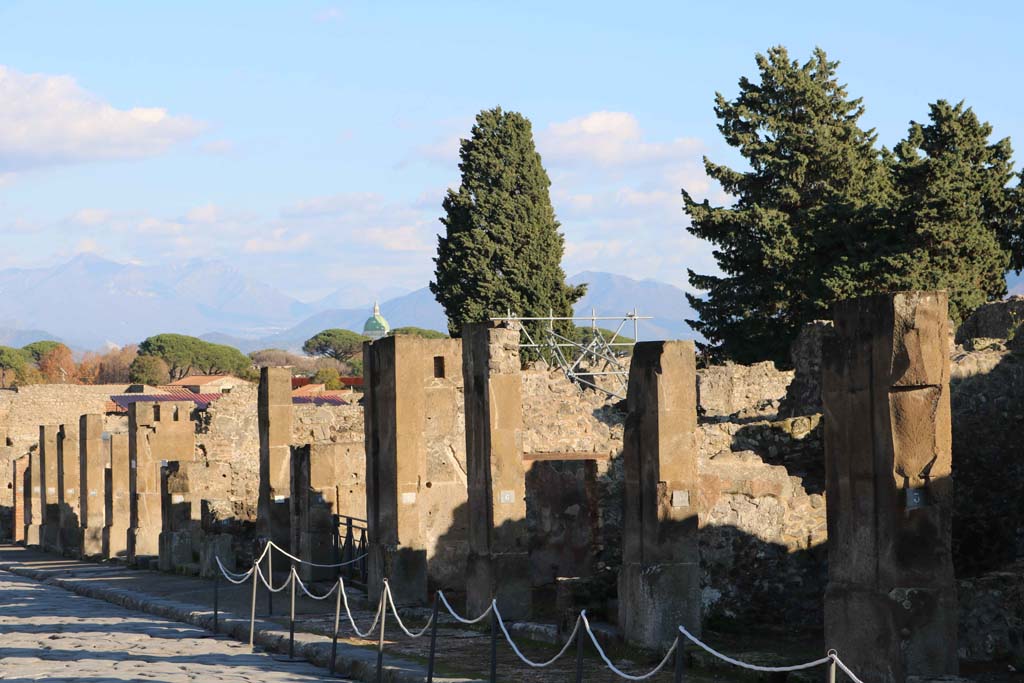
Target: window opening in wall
439 367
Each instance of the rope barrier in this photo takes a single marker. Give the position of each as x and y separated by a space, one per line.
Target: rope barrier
614 669
303 588
267 584
846 670
527 661
271 544
752 667
394 610
460 619
380 609
231 576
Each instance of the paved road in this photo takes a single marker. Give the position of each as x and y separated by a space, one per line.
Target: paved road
49 634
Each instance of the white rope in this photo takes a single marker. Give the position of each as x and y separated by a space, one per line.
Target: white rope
618 672
315 597
313 564
267 584
753 667
231 576
529 662
394 610
463 619
835 658
380 609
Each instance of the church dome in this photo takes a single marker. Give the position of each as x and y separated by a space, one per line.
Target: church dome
376 326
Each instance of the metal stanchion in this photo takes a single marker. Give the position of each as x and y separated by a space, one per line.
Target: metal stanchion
680 663
832 671
252 615
270 578
579 650
433 640
380 640
291 622
337 618
494 642
216 598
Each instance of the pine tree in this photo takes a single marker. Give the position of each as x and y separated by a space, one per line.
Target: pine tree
955 207
812 201
502 249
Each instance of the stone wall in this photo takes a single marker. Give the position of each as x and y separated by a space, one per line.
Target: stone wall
741 390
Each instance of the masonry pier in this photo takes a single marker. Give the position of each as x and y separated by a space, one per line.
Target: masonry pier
93 467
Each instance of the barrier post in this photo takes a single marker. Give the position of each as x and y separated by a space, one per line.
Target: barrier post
337 618
216 598
252 613
433 641
494 641
380 639
270 577
579 649
291 621
832 671
680 663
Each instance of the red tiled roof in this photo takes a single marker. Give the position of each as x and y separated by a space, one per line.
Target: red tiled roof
122 401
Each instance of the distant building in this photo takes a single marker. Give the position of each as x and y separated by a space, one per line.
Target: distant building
376 326
206 384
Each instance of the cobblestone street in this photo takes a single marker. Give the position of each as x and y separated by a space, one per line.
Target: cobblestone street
49 634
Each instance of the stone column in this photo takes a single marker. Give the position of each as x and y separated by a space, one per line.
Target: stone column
34 500
314 502
118 497
659 584
68 490
92 465
498 565
890 606
275 422
395 467
21 484
49 485
157 433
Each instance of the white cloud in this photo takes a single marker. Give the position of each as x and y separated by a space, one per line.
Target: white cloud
90 217
208 213
50 120
279 241
610 138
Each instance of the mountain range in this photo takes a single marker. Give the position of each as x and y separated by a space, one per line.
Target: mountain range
89 302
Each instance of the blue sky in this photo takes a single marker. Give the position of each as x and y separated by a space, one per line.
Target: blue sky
310 144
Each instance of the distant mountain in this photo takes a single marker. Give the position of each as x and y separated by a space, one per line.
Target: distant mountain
18 338
91 301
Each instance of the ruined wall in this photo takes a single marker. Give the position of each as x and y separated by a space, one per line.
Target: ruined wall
23 410
742 390
324 423
228 445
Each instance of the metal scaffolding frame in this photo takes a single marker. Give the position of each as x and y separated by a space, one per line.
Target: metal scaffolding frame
583 362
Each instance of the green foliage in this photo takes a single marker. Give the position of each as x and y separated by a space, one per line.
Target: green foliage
185 355
13 364
151 370
419 332
822 214
329 377
502 249
355 367
335 343
584 335
37 349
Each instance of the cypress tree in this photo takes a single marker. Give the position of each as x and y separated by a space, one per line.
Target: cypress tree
807 207
954 210
502 249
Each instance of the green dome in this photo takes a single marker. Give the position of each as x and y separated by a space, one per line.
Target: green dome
376 326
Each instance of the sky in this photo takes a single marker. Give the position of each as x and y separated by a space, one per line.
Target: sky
310 144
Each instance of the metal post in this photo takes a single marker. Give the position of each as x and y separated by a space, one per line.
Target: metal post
270 578
494 643
380 640
216 598
677 676
433 640
579 650
832 671
337 618
291 623
252 614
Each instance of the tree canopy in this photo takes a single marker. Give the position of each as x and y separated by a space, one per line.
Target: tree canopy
186 355
335 343
151 370
502 249
419 332
822 214
38 349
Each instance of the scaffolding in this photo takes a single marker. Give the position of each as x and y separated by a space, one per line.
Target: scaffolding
595 361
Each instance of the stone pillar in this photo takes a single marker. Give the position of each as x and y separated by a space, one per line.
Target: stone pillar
659 584
275 422
68 490
93 466
498 565
118 497
158 432
314 502
890 606
22 484
49 485
395 467
181 513
34 500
